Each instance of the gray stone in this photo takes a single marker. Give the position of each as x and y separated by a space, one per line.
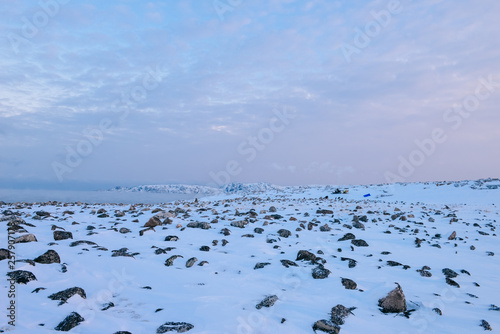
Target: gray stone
267 302
179 327
21 276
25 238
339 313
191 262
347 236
394 302
48 257
62 235
349 284
320 272
170 261
359 243
326 326
284 233
305 255
64 295
69 322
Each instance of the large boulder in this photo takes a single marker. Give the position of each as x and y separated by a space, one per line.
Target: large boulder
394 302
69 322
64 295
62 235
25 238
48 257
21 276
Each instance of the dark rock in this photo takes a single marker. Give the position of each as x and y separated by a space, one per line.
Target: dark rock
485 325
258 230
349 284
62 235
25 238
272 209
326 326
352 263
179 327
202 263
320 272
48 257
393 263
202 225
449 273
325 228
69 322
38 290
122 332
394 302
437 310
324 212
107 306
152 222
347 236
4 254
451 282
452 236
248 236
124 230
305 255
339 313
267 302
225 231
359 243
171 238
224 242
21 276
493 307
80 242
205 248
170 261
261 265
123 252
288 263
358 225
191 262
240 223
64 295
284 233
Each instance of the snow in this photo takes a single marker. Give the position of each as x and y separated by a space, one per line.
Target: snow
220 297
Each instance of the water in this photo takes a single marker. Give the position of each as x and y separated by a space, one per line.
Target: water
16 195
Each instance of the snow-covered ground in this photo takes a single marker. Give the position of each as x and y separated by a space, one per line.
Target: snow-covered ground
139 293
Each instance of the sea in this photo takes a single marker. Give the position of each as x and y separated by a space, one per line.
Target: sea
33 196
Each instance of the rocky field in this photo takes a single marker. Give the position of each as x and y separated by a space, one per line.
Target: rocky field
415 258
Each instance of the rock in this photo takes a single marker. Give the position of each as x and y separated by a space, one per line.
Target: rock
64 295
347 236
202 225
124 230
272 209
240 223
170 261
62 235
324 212
48 257
320 272
179 327
326 326
358 225
394 302
284 233
224 242
438 311
485 325
325 228
359 243
205 248
452 236
122 332
258 230
4 254
225 231
267 302
69 322
191 262
261 265
349 284
107 306
79 242
449 273
152 222
451 282
123 252
171 238
305 255
288 263
352 262
393 263
339 313
25 238
21 276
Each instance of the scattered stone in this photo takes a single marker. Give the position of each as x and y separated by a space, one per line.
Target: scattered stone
451 282
485 325
261 265
62 235
258 230
191 262
202 225
394 302
124 230
288 263
325 228
347 236
452 236
107 306
171 238
449 273
64 295
25 238
79 242
305 255
170 261
179 327
284 233
326 326
21 276
240 223
320 272
339 313
225 232
205 248
48 257
352 262
358 225
69 322
359 243
123 252
393 263
493 307
152 222
349 284
4 254
324 212
267 302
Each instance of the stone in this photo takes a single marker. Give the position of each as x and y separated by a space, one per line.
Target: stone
48 257
305 255
62 235
64 295
261 265
347 236
359 243
284 233
25 238
239 223
171 238
4 254
394 302
191 262
449 273
485 325
320 272
21 276
339 313
124 230
69 322
202 225
349 284
452 236
267 302
152 222
288 263
179 327
326 326
170 261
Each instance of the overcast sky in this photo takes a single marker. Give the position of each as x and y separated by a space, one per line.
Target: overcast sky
97 93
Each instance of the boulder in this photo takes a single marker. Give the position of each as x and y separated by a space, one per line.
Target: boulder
179 327
21 276
25 238
62 235
394 302
64 295
267 302
69 322
48 257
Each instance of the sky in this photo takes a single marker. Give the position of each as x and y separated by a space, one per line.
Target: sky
104 93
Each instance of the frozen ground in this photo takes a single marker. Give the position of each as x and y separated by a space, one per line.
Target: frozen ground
139 293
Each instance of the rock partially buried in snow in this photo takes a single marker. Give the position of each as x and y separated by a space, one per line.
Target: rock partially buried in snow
22 276
64 295
179 327
349 284
359 243
320 272
25 238
394 302
69 322
339 313
267 302
326 326
62 235
48 257
305 255
4 254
